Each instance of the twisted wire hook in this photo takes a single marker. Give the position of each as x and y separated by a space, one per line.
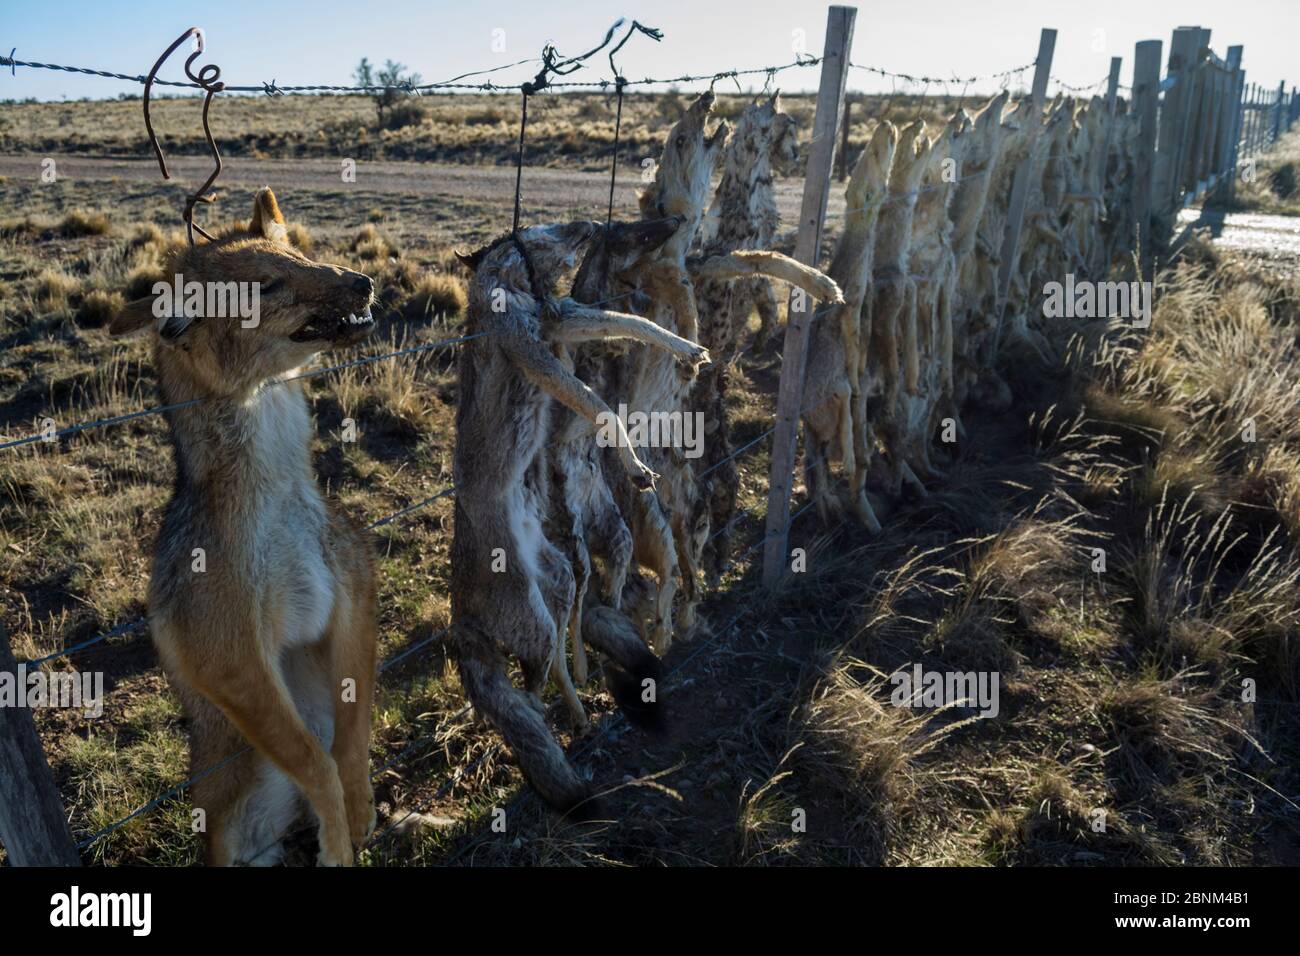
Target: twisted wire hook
209 79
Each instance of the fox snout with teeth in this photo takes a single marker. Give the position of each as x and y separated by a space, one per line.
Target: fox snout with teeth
303 307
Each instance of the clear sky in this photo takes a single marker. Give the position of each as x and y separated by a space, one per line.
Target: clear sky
297 41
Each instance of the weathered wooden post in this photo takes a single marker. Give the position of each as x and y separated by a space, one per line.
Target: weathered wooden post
33 827
812 216
1175 112
1112 84
1213 133
1146 92
1020 185
1112 94
1254 118
1225 162
1238 124
844 140
1204 112
1277 116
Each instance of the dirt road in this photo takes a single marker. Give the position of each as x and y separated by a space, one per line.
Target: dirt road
550 189
1273 240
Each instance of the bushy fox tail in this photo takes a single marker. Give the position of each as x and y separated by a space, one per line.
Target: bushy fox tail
512 713
634 674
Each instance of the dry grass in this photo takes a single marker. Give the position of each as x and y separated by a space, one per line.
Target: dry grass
1272 187
1125 735
568 129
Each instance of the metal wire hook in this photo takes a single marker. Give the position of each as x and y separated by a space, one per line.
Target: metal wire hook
209 79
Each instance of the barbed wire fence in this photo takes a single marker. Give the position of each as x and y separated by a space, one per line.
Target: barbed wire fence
550 64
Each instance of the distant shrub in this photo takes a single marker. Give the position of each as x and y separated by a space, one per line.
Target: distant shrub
405 113
487 116
392 76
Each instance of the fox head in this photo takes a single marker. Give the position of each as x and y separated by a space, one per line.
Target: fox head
619 247
685 171
764 130
248 306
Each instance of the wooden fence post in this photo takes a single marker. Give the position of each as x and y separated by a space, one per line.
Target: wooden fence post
1175 111
1205 116
844 141
1227 158
1259 120
1254 118
1146 92
1238 153
1277 117
33 827
1214 128
1112 84
1112 93
812 216
1020 185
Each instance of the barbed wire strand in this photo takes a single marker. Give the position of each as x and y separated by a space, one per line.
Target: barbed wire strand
272 88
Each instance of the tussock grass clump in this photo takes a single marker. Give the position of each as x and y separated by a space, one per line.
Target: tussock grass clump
53 289
436 295
370 245
98 307
1283 180
145 235
1168 728
141 280
80 222
300 238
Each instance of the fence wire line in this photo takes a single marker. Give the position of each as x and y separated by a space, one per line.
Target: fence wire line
1084 88
414 89
944 80
271 383
603 83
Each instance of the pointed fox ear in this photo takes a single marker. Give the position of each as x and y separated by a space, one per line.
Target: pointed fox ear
132 317
471 260
268 221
